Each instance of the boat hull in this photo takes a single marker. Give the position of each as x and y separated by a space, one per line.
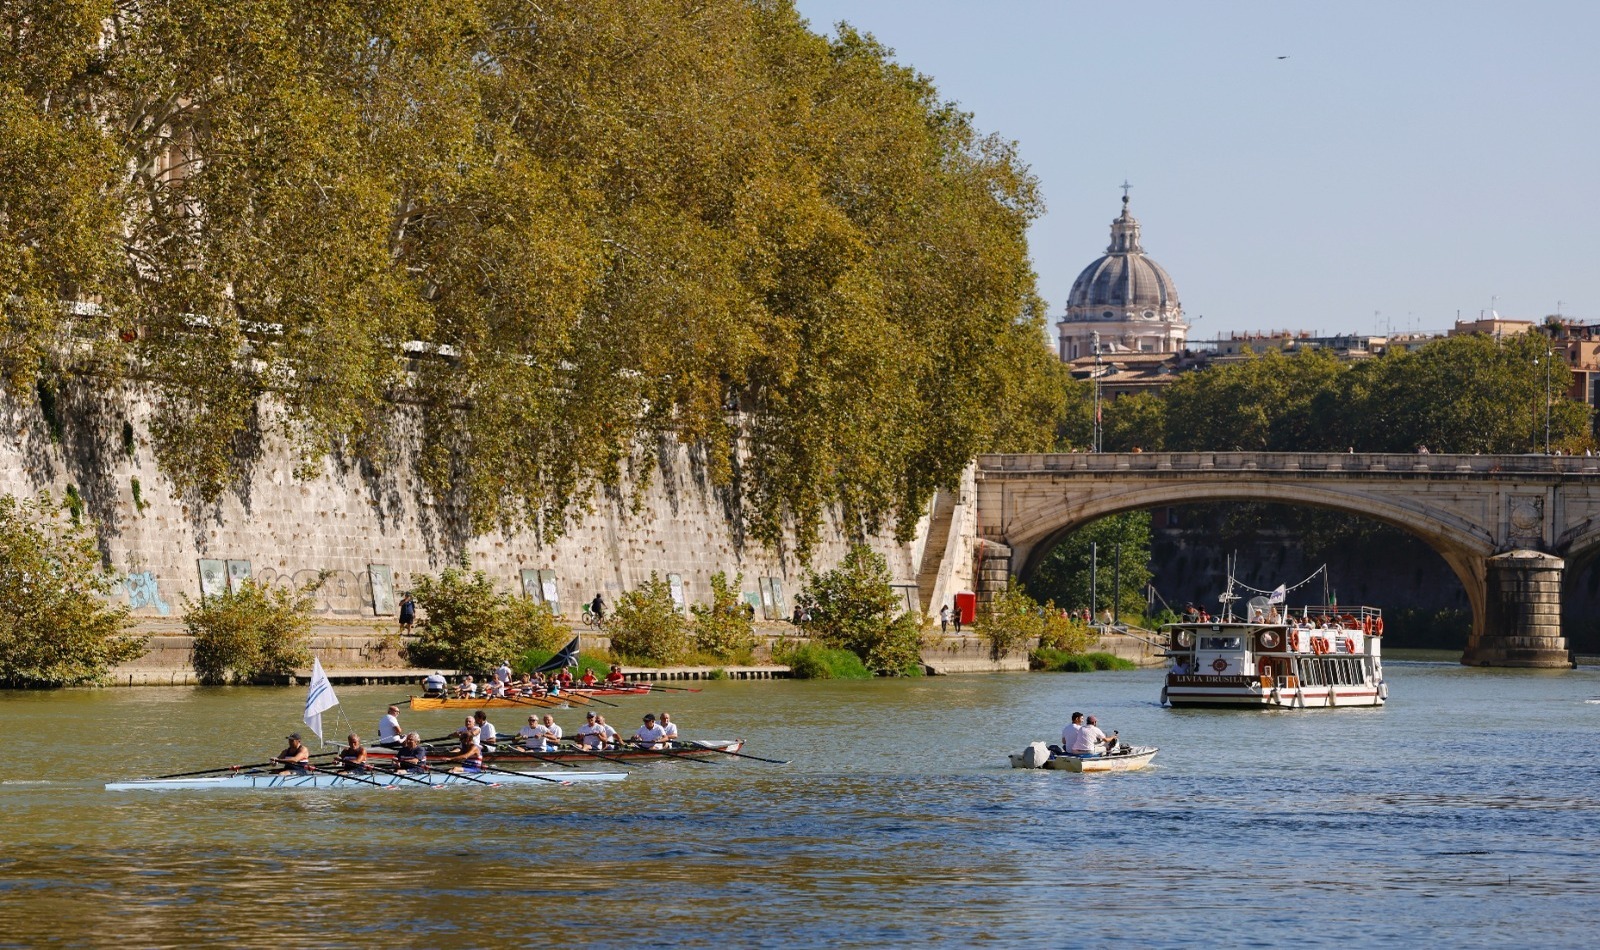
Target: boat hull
369 780
1131 761
1310 697
425 703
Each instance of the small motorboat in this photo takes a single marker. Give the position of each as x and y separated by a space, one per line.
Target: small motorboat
1125 759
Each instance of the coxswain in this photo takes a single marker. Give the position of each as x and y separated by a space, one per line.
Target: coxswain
434 684
412 754
486 730
389 732
615 677
589 678
669 727
353 757
503 672
650 735
296 758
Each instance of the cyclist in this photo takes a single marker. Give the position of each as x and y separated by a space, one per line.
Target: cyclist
598 608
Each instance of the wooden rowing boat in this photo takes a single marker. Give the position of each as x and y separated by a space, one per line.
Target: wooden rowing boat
371 779
485 702
1125 759
717 748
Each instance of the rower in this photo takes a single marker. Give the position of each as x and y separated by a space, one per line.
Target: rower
412 754
295 758
552 733
650 735
615 677
669 727
389 732
564 678
470 755
589 678
468 689
531 736
353 757
486 730
608 736
589 734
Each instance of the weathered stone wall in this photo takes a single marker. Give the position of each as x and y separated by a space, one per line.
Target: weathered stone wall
347 518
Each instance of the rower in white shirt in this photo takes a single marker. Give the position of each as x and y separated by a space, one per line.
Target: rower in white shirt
590 736
532 736
609 737
389 732
552 733
669 727
486 730
650 735
503 672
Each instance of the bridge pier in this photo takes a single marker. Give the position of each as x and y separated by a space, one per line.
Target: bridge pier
1521 626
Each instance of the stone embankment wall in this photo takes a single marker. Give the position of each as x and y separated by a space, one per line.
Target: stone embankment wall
372 532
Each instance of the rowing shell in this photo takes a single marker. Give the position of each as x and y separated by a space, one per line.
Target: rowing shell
697 750
360 780
538 702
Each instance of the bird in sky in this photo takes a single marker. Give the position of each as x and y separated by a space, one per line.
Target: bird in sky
1283 57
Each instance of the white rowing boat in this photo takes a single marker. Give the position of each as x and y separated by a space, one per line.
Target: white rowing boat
333 779
1125 759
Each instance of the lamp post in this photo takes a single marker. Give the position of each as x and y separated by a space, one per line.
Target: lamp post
1549 357
1094 340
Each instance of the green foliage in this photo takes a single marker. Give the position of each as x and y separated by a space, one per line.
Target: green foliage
468 625
57 627
608 223
1014 619
1061 661
647 627
1063 574
74 504
723 628
139 503
252 634
813 661
1134 422
853 607
596 661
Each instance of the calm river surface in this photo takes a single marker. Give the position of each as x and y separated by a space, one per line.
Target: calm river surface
1465 813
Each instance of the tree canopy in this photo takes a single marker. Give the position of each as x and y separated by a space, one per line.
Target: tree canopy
559 232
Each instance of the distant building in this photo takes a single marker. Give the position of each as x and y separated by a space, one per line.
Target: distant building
1124 299
1579 344
1348 345
1494 325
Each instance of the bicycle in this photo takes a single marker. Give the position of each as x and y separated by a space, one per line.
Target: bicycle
592 621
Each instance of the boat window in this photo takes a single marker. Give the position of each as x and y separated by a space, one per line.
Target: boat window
1219 643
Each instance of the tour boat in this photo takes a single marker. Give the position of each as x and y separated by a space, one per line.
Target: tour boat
1307 658
699 749
370 779
1124 759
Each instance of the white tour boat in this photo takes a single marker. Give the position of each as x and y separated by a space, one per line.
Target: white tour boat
1305 658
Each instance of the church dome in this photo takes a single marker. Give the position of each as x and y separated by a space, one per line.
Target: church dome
1124 279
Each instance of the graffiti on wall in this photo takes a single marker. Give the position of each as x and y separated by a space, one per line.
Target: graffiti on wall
144 593
342 594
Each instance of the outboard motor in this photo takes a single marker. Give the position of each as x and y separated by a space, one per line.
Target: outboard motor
1035 755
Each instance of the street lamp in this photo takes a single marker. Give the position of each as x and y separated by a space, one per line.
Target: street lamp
1094 340
1549 358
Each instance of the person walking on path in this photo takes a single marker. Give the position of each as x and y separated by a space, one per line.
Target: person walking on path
944 619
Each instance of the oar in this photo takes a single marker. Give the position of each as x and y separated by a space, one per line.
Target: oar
348 775
515 750
434 768
225 768
585 698
655 686
712 748
542 778
397 773
605 758
669 753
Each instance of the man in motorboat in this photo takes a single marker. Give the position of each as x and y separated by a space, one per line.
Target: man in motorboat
1069 734
1091 741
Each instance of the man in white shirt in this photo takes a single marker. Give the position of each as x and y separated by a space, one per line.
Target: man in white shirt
590 735
486 730
503 672
650 735
1090 739
531 736
389 732
1069 732
669 727
434 684
552 733
608 735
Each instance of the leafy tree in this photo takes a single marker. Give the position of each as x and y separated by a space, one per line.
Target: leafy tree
252 634
1063 574
853 607
1014 619
647 626
57 627
1132 422
467 624
724 628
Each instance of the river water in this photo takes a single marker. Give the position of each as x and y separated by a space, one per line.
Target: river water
1465 813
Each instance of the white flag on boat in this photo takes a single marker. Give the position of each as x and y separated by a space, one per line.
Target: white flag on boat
319 698
1277 595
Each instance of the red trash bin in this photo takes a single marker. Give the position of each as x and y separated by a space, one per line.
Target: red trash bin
967 606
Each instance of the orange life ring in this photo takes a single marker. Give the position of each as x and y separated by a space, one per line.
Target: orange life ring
1319 645
1349 645
1377 627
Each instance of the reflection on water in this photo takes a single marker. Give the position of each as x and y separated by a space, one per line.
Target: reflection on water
1462 813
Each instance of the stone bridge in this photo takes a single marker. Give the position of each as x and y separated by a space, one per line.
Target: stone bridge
1508 525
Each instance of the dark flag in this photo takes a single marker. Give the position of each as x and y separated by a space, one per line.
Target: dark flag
567 657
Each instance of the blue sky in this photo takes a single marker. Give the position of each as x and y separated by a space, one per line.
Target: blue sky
1407 161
